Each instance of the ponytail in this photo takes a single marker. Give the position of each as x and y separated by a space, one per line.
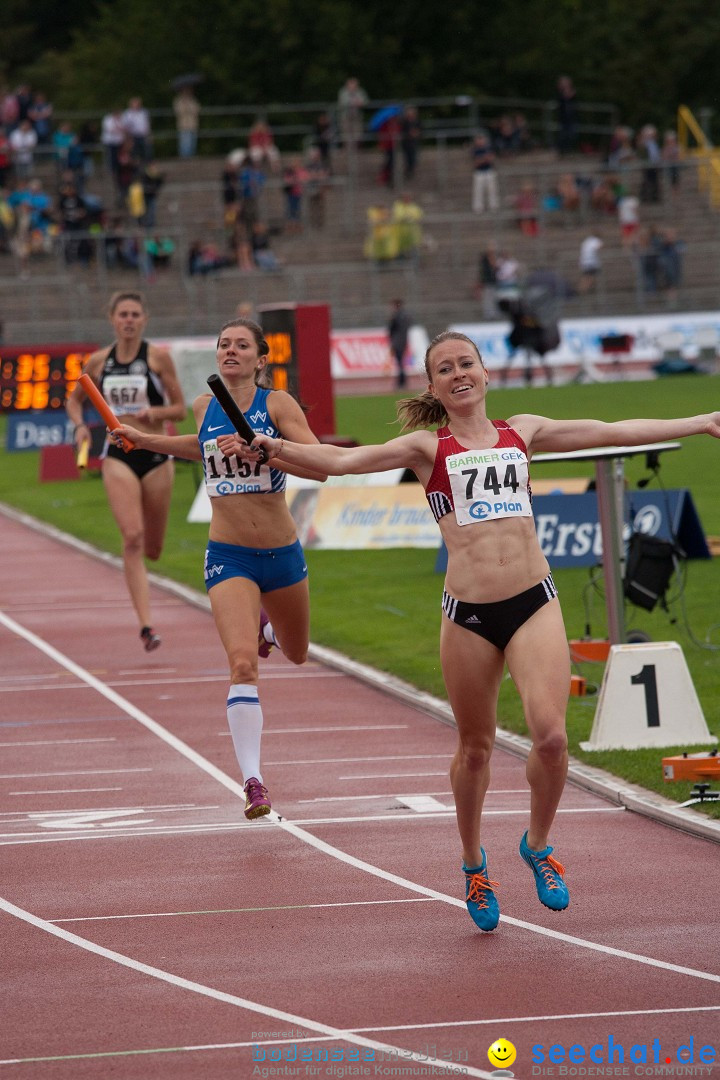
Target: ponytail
422 411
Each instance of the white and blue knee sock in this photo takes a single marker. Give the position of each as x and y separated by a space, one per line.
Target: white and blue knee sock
245 720
269 635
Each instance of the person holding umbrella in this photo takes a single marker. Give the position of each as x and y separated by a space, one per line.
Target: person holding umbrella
386 122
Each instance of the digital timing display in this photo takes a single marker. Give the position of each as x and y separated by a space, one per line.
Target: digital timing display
280 358
39 376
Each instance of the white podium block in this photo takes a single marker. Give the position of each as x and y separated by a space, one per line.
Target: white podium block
647 698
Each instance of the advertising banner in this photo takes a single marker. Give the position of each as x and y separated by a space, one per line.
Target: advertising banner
581 339
569 533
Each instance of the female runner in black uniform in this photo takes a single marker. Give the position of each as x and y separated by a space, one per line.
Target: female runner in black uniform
139 382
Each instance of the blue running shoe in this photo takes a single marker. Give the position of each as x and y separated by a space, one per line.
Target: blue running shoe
551 889
479 896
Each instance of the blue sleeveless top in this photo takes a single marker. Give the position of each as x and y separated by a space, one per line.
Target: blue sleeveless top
232 476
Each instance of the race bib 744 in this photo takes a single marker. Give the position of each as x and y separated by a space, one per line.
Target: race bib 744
489 484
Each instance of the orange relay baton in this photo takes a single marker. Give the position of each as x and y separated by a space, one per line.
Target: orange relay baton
103 408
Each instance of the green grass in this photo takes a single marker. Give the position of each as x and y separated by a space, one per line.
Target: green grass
383 607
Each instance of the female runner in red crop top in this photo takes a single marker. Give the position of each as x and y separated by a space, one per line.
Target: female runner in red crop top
500 605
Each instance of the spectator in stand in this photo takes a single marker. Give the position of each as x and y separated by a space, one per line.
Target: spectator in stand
204 257
590 263
381 239
621 152
352 99
507 275
126 171
486 284
522 139
398 337
388 138
24 96
5 158
7 221
88 139
628 212
604 195
293 184
136 123
187 121
526 208
9 110
568 192
152 180
73 216
649 153
262 150
485 184
503 139
23 142
160 250
670 257
324 138
647 259
407 216
68 153
316 187
251 182
38 202
40 115
112 137
263 256
670 154
410 140
567 115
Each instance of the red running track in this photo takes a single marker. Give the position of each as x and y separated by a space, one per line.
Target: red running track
149 931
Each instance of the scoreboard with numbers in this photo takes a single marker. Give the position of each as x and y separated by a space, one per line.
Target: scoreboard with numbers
39 376
299 359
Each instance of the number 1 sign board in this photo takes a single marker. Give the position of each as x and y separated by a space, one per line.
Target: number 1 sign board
647 699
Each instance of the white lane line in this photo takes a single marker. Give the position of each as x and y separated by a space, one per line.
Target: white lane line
298 1040
321 730
315 842
160 808
58 742
233 999
394 775
421 804
66 791
350 760
240 911
72 772
281 674
19 838
550 1018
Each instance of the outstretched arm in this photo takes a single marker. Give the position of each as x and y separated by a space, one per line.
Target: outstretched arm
407 451
560 436
182 446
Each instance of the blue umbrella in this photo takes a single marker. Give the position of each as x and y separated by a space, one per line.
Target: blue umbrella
383 115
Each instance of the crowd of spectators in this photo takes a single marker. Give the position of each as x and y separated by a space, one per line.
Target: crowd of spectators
62 214
39 217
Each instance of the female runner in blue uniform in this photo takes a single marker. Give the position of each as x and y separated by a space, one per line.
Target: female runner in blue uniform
252 555
499 604
138 380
